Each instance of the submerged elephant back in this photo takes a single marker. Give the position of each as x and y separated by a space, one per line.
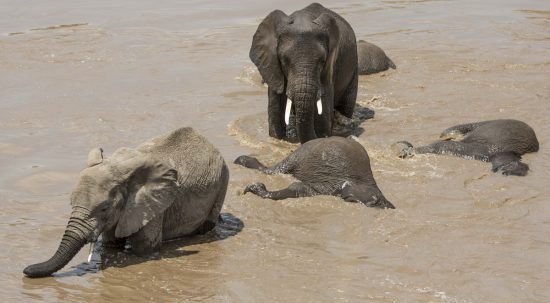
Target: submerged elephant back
371 58
505 135
325 164
198 162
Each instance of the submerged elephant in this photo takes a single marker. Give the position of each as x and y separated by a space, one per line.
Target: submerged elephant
326 166
169 187
309 62
372 59
501 142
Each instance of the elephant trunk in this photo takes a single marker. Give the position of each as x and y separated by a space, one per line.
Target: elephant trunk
305 125
77 234
304 91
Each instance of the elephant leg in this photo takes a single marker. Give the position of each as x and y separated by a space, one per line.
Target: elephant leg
455 148
284 167
458 131
346 104
276 114
295 190
110 241
213 217
148 239
509 164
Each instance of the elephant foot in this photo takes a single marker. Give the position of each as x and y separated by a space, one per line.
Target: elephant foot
509 164
258 189
248 162
403 149
343 126
515 169
206 227
277 134
510 168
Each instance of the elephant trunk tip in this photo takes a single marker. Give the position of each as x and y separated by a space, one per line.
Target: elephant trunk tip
391 64
388 204
37 271
70 244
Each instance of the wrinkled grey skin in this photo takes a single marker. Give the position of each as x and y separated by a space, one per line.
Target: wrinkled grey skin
307 56
372 59
169 187
501 142
326 166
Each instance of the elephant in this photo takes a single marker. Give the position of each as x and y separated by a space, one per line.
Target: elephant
501 142
372 59
309 62
167 188
334 166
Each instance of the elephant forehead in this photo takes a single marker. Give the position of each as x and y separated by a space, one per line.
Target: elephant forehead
302 21
298 34
91 187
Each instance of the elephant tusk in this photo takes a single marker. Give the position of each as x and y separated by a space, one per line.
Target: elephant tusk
92 244
319 107
287 110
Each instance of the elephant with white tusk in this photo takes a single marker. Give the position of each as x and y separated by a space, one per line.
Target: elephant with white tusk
167 188
309 61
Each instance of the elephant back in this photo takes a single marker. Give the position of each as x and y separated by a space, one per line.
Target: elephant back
326 163
505 135
198 162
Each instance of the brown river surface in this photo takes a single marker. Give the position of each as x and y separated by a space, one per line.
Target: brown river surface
80 74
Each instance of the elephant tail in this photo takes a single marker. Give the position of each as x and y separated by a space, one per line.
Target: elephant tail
390 63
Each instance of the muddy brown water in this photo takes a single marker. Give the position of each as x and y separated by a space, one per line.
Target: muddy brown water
76 75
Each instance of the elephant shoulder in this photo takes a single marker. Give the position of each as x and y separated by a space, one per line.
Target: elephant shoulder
199 163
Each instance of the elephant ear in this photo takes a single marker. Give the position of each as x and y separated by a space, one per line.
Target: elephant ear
328 23
95 157
263 51
152 188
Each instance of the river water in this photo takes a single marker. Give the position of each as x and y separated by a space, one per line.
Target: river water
78 74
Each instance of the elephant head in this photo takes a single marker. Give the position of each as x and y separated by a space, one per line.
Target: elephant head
369 195
295 55
120 195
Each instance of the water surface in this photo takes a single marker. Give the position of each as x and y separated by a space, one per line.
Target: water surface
79 74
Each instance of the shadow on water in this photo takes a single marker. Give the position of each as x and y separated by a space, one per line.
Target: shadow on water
103 258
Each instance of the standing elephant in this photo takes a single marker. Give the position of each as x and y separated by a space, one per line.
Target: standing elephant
167 188
501 142
309 62
326 166
372 59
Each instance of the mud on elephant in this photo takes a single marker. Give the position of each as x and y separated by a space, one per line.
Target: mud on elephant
326 166
169 187
309 62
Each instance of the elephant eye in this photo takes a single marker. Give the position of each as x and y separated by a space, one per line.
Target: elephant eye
103 207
